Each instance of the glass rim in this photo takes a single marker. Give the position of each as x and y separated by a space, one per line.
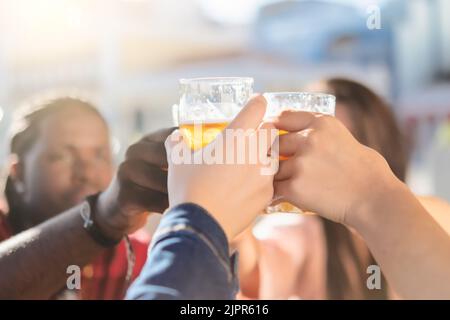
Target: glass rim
231 80
304 93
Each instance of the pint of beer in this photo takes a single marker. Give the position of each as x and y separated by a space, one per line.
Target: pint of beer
208 105
303 101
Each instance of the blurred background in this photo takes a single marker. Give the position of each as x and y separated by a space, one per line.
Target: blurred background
129 54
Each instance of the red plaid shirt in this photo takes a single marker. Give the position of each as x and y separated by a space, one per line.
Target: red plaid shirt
104 278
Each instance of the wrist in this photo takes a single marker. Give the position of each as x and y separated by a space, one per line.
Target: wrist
211 210
370 213
105 217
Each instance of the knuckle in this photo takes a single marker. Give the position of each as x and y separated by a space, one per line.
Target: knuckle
325 120
127 168
132 151
313 138
123 171
259 99
286 113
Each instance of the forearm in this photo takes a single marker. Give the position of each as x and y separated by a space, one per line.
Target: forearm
188 260
411 248
249 256
33 263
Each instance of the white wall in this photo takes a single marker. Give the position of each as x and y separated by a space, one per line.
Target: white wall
445 33
414 52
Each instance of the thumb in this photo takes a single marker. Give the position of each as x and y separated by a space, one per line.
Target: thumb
251 116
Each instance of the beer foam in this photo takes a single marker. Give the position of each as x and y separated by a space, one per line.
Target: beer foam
209 121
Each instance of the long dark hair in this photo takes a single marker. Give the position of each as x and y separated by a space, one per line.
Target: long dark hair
24 133
374 125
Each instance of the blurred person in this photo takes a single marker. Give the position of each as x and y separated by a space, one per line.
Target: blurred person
60 154
306 256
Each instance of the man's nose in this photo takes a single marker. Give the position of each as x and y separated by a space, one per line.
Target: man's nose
86 170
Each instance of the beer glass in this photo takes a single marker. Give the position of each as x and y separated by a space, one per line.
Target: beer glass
303 101
207 106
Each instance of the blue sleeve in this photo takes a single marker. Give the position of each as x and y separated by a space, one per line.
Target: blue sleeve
188 259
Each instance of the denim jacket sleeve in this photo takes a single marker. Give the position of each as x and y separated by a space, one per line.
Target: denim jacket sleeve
188 259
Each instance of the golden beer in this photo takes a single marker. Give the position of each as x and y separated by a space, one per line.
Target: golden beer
198 135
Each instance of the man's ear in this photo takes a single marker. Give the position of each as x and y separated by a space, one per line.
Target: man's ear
16 172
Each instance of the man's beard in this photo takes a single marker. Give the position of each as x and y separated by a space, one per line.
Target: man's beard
44 211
